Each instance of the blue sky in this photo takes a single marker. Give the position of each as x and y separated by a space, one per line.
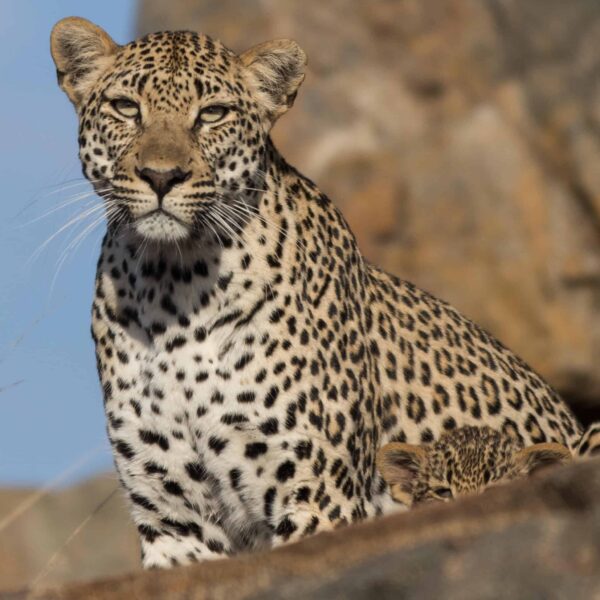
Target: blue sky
51 418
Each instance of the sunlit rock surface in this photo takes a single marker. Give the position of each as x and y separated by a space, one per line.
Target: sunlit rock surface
538 538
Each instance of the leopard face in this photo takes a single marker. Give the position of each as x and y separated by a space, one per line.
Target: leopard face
462 462
173 125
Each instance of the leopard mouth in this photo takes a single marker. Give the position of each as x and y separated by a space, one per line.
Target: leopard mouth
161 213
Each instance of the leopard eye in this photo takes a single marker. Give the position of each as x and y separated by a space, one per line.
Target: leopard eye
443 492
126 108
212 114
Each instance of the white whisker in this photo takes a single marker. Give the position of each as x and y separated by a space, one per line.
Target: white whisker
59 188
223 219
77 219
73 246
63 205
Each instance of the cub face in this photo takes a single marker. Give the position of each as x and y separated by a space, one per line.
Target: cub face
465 461
172 126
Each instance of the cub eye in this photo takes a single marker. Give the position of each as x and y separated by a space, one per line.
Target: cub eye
126 108
212 114
443 492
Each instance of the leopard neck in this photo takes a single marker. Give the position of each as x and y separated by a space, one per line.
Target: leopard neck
232 270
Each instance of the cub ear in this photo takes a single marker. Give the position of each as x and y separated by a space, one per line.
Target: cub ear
399 465
589 444
276 70
539 456
81 51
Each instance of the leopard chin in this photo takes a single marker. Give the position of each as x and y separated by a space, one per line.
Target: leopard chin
160 226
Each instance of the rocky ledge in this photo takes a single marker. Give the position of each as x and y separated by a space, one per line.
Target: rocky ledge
538 538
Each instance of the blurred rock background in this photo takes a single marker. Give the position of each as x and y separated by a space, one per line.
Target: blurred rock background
80 533
461 139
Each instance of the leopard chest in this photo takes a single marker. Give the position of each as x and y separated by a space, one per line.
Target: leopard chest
198 384
209 389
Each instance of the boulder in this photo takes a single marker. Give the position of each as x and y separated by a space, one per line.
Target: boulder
80 532
537 538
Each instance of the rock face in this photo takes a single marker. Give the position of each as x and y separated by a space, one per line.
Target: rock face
82 532
461 140
538 538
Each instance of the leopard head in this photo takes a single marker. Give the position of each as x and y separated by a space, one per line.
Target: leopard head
174 125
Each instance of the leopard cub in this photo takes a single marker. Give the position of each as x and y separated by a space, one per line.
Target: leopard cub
461 462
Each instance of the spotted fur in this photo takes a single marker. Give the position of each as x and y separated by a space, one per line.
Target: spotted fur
252 362
462 462
589 444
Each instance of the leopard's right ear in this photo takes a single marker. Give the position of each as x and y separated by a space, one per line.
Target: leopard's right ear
534 458
81 51
399 465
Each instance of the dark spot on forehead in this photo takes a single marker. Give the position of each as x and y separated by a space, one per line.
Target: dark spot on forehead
142 83
199 87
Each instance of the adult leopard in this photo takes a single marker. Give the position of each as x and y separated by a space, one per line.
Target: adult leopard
252 362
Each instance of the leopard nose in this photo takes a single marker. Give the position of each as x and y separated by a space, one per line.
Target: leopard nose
162 182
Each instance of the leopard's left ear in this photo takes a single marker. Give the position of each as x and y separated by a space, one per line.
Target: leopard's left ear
539 456
81 51
399 465
275 70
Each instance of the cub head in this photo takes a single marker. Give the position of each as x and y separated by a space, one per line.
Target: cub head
173 128
465 461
